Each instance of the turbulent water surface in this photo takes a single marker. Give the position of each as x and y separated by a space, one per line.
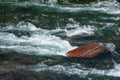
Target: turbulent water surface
49 28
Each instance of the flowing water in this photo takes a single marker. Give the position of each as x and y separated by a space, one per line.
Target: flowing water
53 27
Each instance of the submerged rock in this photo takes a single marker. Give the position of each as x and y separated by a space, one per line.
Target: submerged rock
88 51
8 57
118 0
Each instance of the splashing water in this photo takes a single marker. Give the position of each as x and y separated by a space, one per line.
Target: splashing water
38 43
53 27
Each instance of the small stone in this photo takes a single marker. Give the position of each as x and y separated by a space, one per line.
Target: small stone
88 51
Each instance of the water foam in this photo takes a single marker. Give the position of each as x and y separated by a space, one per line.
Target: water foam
68 70
109 7
74 28
21 26
77 29
73 70
110 46
111 72
89 30
39 42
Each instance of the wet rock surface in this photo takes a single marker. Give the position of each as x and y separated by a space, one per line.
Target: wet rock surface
118 0
88 51
19 66
18 75
8 57
31 75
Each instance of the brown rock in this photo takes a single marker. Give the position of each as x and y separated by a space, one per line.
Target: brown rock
88 51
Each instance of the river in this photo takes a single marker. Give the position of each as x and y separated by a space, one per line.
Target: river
47 29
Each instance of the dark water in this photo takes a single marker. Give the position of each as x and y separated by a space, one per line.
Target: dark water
36 34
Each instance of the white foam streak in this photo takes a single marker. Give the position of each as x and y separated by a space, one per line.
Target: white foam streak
76 29
21 26
72 70
69 70
111 72
109 7
41 42
80 31
52 2
110 46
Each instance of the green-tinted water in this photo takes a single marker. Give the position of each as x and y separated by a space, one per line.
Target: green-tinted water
36 34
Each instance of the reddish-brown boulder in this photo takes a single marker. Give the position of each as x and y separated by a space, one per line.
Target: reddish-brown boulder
88 51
